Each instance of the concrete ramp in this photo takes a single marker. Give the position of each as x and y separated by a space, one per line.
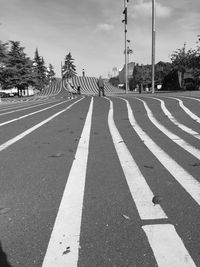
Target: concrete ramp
89 85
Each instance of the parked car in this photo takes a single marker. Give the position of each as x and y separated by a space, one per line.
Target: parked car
3 95
11 95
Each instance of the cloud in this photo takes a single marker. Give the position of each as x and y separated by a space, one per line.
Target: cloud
104 27
144 8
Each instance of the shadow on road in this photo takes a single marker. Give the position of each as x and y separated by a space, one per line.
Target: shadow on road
3 258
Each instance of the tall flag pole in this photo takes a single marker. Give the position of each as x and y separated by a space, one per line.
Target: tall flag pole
125 35
153 44
61 74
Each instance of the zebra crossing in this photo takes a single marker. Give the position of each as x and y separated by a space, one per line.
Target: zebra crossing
165 242
153 143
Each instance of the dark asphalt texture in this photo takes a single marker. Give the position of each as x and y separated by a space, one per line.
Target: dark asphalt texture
34 171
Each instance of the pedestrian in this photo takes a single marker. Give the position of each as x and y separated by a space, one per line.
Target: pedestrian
70 89
140 88
100 84
78 90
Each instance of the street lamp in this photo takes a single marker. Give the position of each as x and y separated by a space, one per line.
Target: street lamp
61 74
153 44
125 32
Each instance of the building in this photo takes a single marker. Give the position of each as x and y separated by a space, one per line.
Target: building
130 68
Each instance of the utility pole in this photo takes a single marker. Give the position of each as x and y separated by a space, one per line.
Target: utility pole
153 44
61 74
125 35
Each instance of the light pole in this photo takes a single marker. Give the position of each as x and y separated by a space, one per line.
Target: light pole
153 44
125 33
61 74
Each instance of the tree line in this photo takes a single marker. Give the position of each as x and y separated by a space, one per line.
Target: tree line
19 71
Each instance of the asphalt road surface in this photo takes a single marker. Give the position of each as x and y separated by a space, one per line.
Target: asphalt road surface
95 181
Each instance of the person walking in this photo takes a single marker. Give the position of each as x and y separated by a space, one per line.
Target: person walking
78 90
100 84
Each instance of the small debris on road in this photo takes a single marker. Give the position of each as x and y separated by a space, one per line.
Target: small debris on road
125 217
4 210
156 199
196 164
57 155
150 167
66 251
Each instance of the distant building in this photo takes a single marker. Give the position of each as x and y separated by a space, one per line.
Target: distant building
130 68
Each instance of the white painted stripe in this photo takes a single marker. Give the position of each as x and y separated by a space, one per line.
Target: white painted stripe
66 231
32 113
20 108
30 130
140 191
167 246
186 180
189 97
175 138
174 120
189 112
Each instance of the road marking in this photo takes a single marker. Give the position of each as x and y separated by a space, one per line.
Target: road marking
63 246
20 108
140 191
175 138
189 112
186 180
167 246
197 99
30 130
174 120
32 113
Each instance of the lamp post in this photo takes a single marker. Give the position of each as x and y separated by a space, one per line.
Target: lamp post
125 33
153 44
61 74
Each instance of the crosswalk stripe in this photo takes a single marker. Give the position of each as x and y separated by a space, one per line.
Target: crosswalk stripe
167 246
189 112
64 242
189 97
175 138
20 108
30 130
32 113
185 179
140 191
174 120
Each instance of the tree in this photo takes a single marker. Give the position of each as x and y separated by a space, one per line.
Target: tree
3 59
68 69
39 71
17 69
50 74
115 70
162 69
182 60
114 81
195 63
3 52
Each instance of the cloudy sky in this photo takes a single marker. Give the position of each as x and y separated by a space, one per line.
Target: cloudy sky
93 32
